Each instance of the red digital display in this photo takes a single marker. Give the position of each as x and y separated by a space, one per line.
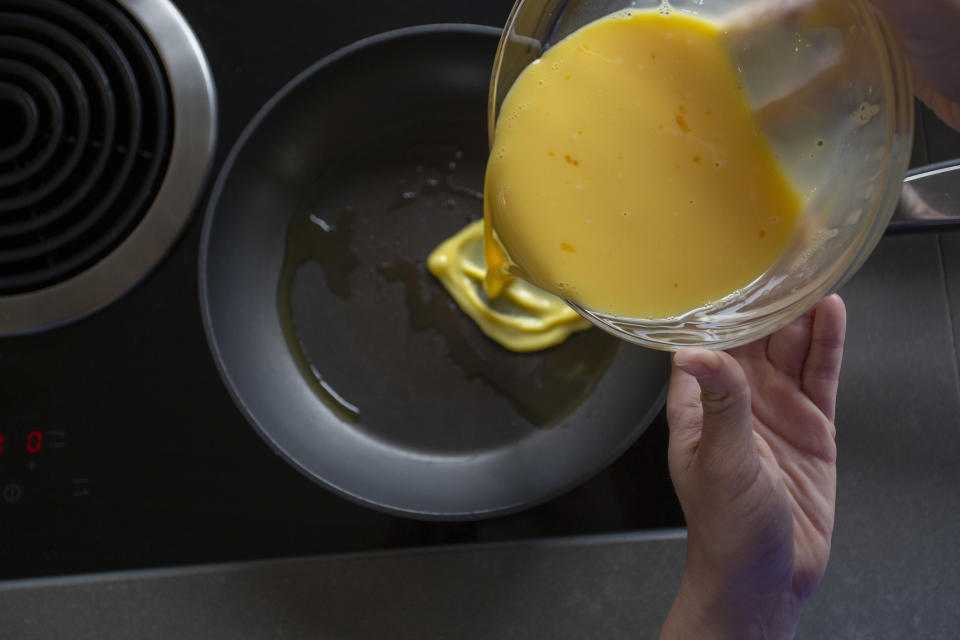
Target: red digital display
2 438
34 441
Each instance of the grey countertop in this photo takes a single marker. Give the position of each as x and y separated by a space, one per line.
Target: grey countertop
894 572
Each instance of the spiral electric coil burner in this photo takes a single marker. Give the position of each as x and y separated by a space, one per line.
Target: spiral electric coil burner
107 121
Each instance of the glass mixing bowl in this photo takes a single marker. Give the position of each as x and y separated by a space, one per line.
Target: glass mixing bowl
833 96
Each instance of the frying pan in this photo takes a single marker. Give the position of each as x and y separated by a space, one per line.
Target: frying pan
335 341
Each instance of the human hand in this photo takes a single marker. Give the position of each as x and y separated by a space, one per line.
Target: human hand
928 31
753 461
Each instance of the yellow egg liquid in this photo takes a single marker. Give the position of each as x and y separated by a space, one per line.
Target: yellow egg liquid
521 317
629 175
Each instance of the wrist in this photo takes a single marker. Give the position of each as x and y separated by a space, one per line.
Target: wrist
707 609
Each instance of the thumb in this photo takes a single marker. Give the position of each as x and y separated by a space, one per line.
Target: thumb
725 398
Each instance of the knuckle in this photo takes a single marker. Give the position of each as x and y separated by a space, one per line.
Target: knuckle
825 371
717 403
829 343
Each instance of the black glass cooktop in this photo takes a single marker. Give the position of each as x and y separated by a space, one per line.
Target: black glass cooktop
119 445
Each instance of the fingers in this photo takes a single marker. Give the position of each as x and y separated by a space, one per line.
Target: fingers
725 399
753 16
821 372
683 396
787 349
946 109
683 412
927 32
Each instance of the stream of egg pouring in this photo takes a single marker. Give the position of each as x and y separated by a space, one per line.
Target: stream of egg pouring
629 175
518 315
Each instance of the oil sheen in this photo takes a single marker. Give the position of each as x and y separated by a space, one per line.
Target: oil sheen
376 337
629 175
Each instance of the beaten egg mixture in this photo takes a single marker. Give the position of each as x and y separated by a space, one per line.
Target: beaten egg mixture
628 174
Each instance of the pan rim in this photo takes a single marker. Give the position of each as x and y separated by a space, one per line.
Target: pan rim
226 170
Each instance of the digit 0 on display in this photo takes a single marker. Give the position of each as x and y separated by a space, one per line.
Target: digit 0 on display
34 441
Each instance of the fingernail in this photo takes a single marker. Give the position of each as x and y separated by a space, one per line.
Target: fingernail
697 362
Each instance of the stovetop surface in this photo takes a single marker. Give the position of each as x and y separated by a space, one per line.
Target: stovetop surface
120 445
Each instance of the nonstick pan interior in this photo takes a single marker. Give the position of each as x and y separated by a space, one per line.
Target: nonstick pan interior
336 342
